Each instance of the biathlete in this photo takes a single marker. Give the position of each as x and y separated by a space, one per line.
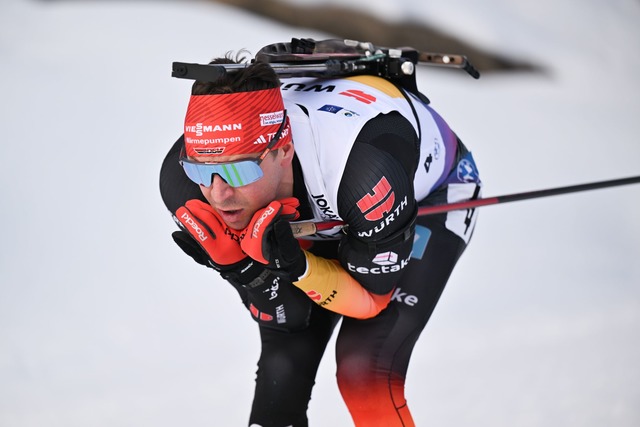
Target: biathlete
259 152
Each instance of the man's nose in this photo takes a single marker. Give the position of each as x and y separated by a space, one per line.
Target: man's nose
219 188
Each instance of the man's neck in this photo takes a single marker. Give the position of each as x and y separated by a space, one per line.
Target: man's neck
299 190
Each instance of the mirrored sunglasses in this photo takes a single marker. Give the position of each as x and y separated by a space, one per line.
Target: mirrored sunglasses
236 174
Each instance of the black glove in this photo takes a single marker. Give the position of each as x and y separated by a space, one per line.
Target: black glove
242 273
269 240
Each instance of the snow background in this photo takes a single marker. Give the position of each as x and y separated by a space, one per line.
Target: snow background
104 322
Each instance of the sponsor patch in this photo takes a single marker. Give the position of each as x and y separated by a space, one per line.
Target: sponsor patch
386 220
323 205
315 296
261 140
420 240
467 170
260 315
359 95
268 119
383 269
386 258
200 129
404 297
334 109
204 151
281 315
380 202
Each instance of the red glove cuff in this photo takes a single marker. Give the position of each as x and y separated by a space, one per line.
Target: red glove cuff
255 242
204 224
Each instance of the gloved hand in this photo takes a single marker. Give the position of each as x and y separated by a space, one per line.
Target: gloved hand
268 239
206 237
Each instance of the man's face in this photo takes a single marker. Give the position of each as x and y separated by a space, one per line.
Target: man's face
236 205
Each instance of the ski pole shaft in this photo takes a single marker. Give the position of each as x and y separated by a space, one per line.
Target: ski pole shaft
307 228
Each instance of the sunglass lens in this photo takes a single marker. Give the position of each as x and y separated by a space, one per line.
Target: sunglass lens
236 174
241 173
197 174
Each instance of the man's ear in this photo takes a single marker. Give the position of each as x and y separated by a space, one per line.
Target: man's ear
287 152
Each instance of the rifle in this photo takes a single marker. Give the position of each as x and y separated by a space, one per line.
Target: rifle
333 58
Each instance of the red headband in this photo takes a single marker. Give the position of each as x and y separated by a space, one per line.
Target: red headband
234 123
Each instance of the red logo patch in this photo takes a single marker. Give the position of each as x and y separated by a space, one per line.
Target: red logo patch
375 206
360 96
315 296
260 315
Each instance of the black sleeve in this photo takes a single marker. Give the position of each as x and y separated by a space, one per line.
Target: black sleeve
376 200
175 187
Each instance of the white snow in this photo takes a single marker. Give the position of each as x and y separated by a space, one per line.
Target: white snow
104 322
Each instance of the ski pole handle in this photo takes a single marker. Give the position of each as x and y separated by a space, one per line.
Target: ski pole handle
307 228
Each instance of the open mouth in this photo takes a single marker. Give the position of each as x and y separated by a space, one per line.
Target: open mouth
231 216
230 211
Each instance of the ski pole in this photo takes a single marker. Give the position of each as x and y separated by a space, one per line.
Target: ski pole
307 228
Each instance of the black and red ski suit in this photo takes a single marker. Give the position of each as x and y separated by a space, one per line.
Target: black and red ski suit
386 248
